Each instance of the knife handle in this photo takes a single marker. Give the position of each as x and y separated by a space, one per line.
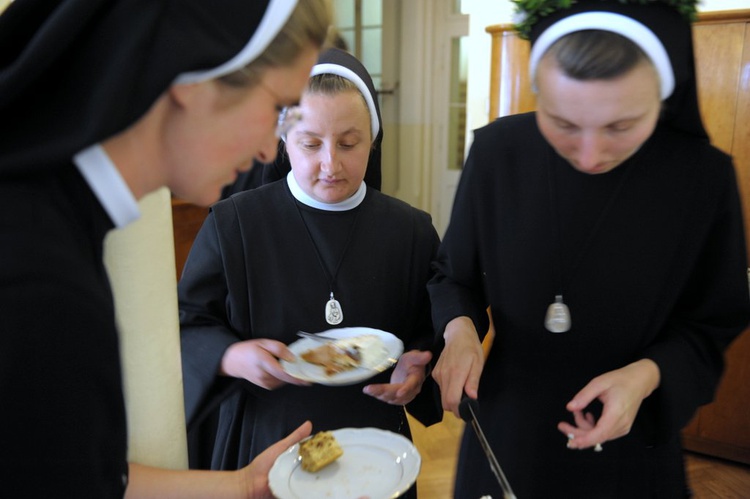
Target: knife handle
466 407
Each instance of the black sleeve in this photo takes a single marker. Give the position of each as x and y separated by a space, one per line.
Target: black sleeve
205 333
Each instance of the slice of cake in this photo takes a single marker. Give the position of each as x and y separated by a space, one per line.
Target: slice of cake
319 451
333 358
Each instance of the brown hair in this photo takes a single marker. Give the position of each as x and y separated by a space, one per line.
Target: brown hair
596 55
331 84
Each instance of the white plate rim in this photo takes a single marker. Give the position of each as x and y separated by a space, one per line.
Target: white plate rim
404 452
394 347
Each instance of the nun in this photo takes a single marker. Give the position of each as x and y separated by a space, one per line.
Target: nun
604 232
104 101
284 257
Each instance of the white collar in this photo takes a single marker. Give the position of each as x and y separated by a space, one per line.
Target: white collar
345 205
110 188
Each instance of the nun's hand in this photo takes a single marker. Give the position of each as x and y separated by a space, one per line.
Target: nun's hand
460 364
255 476
621 392
258 362
406 379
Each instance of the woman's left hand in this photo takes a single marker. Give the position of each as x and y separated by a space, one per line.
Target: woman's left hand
406 379
621 392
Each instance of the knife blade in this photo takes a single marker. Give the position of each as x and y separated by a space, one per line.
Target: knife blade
468 410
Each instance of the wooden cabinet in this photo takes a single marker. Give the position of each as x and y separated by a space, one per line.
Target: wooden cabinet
187 220
722 45
510 84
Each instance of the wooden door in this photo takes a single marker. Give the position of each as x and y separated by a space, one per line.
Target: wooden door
187 219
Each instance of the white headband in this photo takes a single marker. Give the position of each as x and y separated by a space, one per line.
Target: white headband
344 72
275 17
616 23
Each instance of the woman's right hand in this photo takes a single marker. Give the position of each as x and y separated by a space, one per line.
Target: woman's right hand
460 364
255 475
258 362
250 482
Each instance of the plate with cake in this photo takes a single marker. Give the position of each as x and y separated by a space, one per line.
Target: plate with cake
343 356
346 463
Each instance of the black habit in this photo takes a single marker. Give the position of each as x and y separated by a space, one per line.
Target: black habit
62 425
253 273
72 74
651 259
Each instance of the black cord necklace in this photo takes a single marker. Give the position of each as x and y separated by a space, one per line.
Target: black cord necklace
334 314
558 318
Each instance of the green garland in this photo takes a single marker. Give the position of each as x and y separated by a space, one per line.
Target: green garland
529 12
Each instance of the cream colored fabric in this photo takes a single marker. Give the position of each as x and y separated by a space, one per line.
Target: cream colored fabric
140 262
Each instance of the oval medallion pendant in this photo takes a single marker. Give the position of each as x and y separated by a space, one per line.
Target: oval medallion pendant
334 314
557 319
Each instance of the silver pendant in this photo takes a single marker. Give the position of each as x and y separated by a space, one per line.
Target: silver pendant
558 316
334 314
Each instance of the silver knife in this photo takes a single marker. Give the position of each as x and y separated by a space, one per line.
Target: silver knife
467 410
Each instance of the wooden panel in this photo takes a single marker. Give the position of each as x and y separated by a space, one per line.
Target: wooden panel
187 220
722 428
719 48
741 148
510 84
722 46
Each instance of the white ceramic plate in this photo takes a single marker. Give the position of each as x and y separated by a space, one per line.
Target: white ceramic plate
384 354
377 464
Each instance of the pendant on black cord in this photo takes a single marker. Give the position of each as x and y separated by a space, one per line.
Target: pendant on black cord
334 314
558 316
